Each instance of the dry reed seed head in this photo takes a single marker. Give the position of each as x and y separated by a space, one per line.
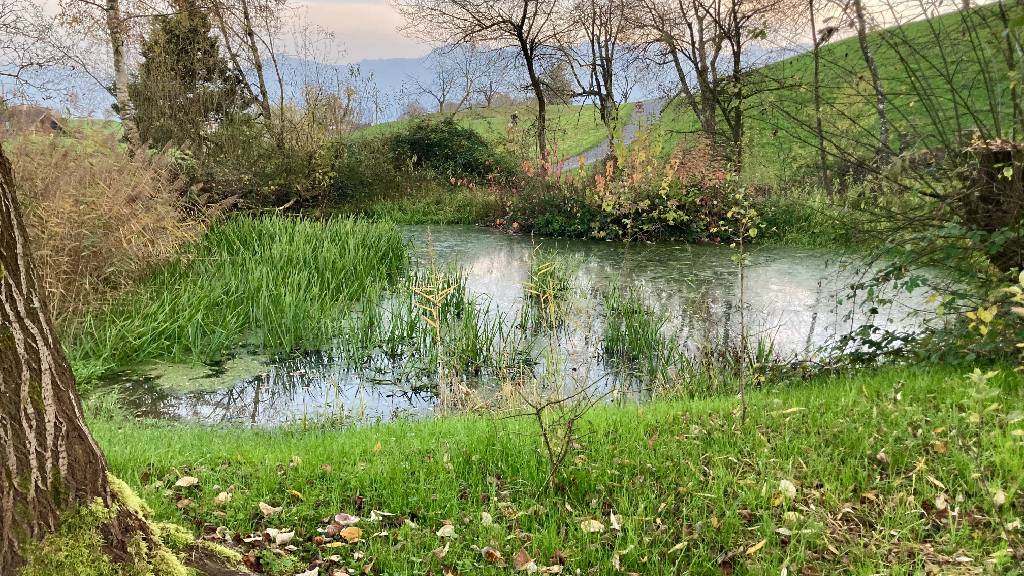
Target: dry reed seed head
100 220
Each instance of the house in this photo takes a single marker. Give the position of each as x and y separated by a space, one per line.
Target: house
25 118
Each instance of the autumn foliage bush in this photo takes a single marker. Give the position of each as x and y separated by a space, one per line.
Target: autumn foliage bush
97 219
640 197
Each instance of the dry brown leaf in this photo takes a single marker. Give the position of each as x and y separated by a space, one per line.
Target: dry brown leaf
221 499
492 555
522 559
268 510
441 552
446 531
756 547
351 534
346 519
186 482
592 526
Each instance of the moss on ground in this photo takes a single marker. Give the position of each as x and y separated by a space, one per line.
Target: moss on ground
76 548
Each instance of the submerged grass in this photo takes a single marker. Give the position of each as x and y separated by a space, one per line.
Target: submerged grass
634 335
897 471
272 283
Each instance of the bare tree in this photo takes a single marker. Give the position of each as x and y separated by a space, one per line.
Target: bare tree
601 49
116 22
495 80
826 179
529 26
444 80
682 34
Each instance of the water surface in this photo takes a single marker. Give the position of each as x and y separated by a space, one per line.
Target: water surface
799 299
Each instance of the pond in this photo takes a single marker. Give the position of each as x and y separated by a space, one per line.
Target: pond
796 302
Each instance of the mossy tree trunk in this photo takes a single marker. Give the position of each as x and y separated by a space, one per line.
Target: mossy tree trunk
49 462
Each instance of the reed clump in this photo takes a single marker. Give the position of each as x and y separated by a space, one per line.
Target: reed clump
98 220
272 284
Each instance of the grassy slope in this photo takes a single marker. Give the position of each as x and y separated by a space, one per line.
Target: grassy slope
696 491
777 137
572 129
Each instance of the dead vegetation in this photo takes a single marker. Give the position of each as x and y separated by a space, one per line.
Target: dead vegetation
97 218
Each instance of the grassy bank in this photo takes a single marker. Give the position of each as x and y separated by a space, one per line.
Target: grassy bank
433 204
270 283
897 471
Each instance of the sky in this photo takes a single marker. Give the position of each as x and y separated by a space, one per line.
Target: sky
364 28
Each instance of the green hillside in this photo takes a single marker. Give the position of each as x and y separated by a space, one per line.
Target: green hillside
941 53
572 129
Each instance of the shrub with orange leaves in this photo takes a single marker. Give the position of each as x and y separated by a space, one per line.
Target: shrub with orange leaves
638 196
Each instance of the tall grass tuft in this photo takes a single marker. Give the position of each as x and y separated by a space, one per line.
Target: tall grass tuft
98 219
271 283
550 285
633 333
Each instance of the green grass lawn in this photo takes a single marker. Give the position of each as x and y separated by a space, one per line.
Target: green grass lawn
572 129
778 141
896 471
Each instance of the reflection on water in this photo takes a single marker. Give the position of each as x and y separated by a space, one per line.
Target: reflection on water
795 297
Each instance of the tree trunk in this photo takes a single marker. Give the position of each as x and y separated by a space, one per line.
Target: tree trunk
826 179
125 108
876 81
538 92
257 62
50 462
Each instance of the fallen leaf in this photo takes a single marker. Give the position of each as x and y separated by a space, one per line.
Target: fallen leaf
592 526
296 494
554 569
184 503
296 462
788 489
677 547
282 538
792 517
616 521
441 552
999 498
754 549
221 499
492 555
486 519
377 515
268 510
351 534
186 482
446 531
522 559
346 519
314 571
